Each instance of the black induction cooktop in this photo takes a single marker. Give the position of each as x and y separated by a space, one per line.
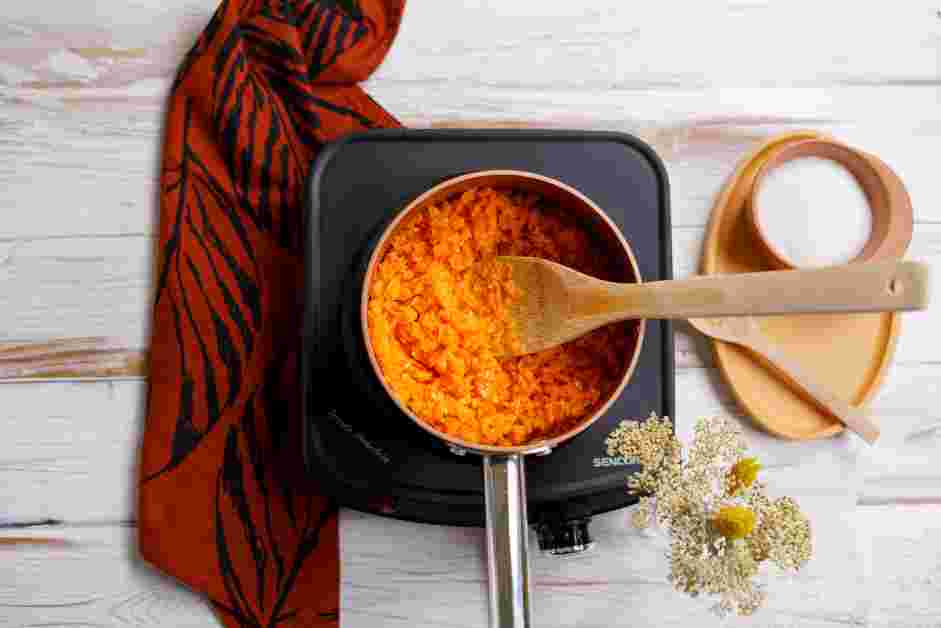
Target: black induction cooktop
359 447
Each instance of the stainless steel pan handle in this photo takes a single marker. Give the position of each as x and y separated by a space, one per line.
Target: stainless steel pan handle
507 541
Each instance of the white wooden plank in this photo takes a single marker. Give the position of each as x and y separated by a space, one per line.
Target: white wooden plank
606 44
105 163
80 123
623 580
670 43
901 468
102 179
73 287
883 574
102 43
92 577
69 449
70 174
905 565
701 134
70 358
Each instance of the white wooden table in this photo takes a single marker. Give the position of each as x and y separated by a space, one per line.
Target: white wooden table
81 89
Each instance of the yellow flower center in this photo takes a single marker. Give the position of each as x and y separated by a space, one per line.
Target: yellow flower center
742 474
734 522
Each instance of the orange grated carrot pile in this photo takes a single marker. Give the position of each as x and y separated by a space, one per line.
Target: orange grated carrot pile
436 311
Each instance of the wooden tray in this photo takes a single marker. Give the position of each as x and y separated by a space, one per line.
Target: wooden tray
848 353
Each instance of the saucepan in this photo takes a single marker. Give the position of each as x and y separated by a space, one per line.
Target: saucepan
503 468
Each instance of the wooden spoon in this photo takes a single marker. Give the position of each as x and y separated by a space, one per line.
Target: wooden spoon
557 304
745 331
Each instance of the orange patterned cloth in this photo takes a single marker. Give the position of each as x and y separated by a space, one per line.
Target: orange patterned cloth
223 504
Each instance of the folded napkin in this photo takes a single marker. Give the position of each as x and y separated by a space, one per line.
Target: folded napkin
221 506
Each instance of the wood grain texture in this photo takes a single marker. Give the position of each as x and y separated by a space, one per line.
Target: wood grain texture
92 578
608 44
97 289
46 45
106 158
604 45
81 92
623 582
105 165
72 358
400 574
69 450
746 332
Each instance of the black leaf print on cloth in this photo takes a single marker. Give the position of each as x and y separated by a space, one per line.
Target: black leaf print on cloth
232 308
225 345
266 85
199 197
243 533
233 486
240 606
259 462
253 184
248 287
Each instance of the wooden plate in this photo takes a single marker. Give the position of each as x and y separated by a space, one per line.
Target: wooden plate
848 353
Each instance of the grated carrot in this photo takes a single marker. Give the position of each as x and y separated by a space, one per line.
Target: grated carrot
437 310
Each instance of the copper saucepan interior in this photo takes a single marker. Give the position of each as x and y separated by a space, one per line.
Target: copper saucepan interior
504 480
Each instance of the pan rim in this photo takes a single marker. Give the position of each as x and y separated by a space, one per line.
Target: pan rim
543 445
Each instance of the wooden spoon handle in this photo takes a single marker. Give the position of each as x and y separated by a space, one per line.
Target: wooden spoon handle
870 287
857 419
